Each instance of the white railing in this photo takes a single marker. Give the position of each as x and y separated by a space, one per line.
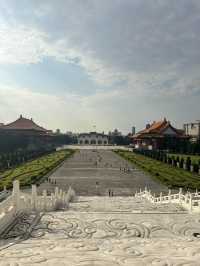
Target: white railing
189 201
19 201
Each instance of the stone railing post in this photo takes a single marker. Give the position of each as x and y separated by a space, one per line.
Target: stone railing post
154 197
169 196
44 194
63 197
190 202
56 193
34 197
16 195
180 194
149 194
186 198
56 196
160 197
52 201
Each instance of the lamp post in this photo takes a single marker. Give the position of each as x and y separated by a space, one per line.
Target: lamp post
94 126
198 121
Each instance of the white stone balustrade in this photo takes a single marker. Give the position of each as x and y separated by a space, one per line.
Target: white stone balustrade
189 201
19 202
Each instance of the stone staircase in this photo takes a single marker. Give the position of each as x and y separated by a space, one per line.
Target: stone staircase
110 231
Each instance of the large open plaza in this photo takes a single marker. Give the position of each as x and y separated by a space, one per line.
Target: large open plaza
96 171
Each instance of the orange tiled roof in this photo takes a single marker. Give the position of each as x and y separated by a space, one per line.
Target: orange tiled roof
23 124
157 128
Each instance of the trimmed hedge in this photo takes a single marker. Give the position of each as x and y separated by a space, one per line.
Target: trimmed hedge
31 172
167 174
176 160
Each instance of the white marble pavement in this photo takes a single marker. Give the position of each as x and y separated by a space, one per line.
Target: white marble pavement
116 231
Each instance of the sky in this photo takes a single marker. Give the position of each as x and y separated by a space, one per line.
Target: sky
73 64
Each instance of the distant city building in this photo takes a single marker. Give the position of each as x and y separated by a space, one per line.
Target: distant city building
133 130
92 138
192 130
58 131
116 132
158 135
69 133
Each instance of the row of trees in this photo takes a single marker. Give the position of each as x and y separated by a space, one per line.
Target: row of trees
119 140
12 159
183 146
176 161
19 148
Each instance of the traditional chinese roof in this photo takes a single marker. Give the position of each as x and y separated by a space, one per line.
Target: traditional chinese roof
157 129
23 124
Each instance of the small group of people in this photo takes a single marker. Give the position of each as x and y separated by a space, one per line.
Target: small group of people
52 181
110 193
125 169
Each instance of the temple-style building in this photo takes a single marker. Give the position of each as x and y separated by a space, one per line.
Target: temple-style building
24 126
25 134
158 135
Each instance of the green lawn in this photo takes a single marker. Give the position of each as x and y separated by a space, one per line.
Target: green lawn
166 174
194 158
32 172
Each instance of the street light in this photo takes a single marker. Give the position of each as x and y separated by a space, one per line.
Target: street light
94 126
198 130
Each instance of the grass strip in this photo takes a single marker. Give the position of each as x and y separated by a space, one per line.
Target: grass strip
31 172
164 173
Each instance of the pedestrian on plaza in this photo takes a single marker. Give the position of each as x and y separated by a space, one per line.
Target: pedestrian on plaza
109 192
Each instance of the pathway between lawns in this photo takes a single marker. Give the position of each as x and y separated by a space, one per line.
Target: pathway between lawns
95 172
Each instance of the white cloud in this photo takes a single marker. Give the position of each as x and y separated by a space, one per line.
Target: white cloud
67 111
146 52
25 45
21 45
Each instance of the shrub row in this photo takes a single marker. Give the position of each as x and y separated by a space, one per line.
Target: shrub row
13 159
175 161
31 172
173 177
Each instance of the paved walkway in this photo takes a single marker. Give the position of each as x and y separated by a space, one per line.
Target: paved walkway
94 172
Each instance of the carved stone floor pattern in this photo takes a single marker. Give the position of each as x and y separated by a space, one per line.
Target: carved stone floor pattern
102 231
